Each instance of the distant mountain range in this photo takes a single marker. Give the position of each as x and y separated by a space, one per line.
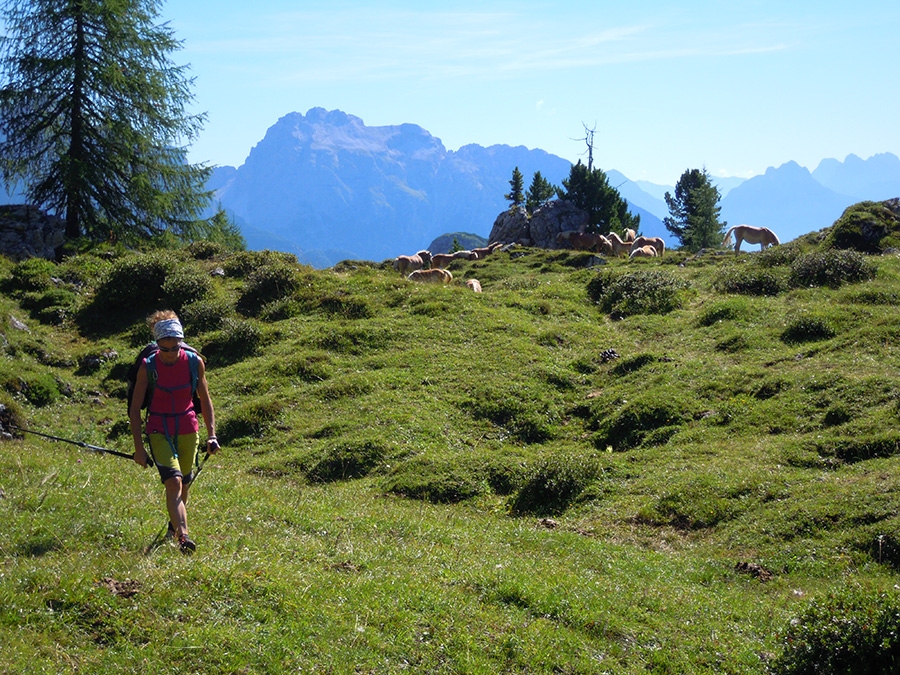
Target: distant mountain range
328 188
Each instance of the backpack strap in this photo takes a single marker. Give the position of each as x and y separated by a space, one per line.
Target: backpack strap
152 377
194 366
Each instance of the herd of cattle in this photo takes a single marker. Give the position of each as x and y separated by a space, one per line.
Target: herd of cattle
423 266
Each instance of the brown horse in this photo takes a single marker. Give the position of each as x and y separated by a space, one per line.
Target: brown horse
752 235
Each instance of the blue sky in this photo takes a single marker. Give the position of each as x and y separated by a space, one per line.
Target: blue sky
732 86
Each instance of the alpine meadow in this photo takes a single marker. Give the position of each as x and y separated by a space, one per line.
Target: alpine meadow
685 464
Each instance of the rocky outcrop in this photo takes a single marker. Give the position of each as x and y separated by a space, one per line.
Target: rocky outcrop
541 229
28 232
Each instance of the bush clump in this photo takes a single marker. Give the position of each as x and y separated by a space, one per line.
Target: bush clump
136 282
749 280
662 410
440 481
185 285
830 268
251 420
238 339
553 484
851 632
267 284
651 292
33 274
807 328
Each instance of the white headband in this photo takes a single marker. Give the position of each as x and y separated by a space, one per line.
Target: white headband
167 328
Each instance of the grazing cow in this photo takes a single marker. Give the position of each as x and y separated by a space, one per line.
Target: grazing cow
630 235
618 246
655 242
410 263
435 276
752 235
474 284
647 251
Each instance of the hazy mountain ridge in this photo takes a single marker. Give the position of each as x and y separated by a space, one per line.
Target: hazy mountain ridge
335 188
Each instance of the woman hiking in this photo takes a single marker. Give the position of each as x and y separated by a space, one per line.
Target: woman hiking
172 428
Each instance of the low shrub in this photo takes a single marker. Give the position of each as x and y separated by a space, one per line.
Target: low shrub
521 416
440 481
849 632
185 285
39 389
206 315
33 274
252 419
807 328
692 507
243 263
650 292
631 424
205 250
266 284
727 310
136 282
238 339
553 484
831 268
749 280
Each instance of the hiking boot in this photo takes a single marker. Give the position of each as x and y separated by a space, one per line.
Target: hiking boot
186 546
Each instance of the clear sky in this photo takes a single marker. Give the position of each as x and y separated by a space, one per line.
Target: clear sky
734 86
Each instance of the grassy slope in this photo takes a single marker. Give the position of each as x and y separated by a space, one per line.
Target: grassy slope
442 404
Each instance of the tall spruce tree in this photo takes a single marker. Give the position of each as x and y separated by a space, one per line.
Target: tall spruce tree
694 211
93 117
589 190
516 196
540 192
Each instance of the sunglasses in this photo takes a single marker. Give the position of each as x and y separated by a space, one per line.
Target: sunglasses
169 349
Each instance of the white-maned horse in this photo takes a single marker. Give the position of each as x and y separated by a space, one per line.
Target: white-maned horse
752 235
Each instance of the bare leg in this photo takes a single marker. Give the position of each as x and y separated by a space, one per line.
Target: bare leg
175 498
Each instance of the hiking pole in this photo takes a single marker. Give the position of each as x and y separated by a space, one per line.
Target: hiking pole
82 444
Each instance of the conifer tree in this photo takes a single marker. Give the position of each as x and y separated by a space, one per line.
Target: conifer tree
516 196
540 192
589 190
93 117
694 211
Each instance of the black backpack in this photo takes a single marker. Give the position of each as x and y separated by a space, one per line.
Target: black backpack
151 349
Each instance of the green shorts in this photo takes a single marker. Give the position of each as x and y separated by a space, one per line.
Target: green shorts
167 463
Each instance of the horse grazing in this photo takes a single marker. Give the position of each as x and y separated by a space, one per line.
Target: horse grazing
752 235
580 241
655 242
647 251
410 263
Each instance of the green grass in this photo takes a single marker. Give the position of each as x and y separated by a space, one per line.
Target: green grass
425 479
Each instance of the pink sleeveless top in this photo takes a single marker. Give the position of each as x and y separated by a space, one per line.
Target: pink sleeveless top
171 409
